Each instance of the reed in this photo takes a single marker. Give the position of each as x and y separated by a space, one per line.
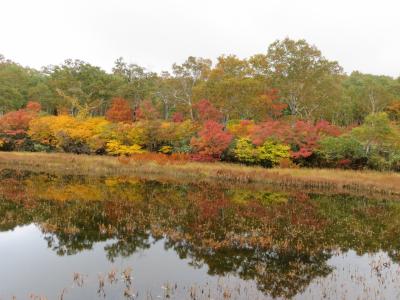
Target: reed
333 180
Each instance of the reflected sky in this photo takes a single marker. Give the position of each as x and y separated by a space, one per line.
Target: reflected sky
30 267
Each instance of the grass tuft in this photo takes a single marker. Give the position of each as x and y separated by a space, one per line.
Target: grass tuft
332 180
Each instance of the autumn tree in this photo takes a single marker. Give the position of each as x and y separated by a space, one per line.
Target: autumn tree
33 106
14 126
120 111
242 128
269 154
146 111
393 110
16 122
232 89
177 117
269 101
303 137
69 134
212 141
206 111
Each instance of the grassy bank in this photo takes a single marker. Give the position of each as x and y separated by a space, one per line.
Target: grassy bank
330 180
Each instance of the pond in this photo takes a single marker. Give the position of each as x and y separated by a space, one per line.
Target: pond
76 237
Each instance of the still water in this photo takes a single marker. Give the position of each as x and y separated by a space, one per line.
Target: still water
65 237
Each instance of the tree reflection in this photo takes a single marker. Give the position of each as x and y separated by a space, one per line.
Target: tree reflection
281 240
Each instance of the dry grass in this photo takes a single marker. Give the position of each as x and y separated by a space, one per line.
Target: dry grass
332 180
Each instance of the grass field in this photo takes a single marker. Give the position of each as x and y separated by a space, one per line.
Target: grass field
330 180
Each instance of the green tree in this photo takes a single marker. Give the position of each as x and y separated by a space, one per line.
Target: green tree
343 150
233 90
14 85
364 94
306 80
376 142
188 76
377 134
81 81
136 83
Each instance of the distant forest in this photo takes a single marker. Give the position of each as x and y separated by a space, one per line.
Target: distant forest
311 86
289 107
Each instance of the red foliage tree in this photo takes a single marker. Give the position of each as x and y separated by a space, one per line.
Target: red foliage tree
305 137
14 126
120 111
17 122
270 129
274 107
207 111
212 141
302 136
177 117
33 106
146 111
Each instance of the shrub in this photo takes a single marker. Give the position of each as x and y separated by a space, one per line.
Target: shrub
166 149
116 148
70 134
342 151
269 154
212 141
245 151
207 111
302 137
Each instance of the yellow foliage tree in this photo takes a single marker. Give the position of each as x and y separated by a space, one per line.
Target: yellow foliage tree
116 148
69 133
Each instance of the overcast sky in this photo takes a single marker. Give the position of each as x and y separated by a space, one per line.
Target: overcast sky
360 34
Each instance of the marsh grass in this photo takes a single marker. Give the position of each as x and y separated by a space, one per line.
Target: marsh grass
329 180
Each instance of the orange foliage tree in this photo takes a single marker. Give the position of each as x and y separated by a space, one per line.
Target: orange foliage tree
120 111
14 126
146 111
270 100
211 142
207 111
17 122
33 106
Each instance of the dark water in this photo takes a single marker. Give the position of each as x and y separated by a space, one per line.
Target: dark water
126 238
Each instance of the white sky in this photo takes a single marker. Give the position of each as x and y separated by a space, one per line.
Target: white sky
361 34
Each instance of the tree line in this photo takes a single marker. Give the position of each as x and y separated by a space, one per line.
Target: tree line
290 104
311 86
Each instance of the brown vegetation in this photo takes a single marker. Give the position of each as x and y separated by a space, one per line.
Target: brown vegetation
332 180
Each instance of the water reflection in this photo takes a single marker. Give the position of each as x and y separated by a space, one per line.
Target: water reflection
283 241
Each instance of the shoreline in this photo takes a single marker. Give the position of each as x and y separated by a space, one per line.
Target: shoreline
330 180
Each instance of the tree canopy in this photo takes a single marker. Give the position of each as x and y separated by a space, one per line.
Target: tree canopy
310 86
